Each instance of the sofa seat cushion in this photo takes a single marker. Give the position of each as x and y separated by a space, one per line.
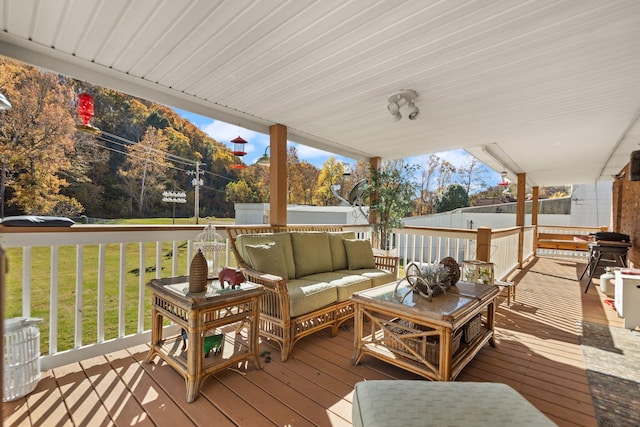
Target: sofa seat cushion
338 253
306 296
377 276
260 239
311 253
345 283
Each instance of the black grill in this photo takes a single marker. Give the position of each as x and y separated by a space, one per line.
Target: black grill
612 237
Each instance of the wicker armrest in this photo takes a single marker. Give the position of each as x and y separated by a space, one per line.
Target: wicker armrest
389 263
275 302
273 283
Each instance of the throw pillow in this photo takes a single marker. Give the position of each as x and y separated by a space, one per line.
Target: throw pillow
338 254
359 254
268 258
260 239
311 253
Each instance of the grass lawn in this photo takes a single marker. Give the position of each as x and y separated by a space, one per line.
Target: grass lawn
66 294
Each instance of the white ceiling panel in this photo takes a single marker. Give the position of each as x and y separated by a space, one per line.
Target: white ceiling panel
550 88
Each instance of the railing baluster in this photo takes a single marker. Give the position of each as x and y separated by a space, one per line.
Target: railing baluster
102 259
413 247
122 290
79 288
227 252
26 281
405 238
141 283
53 298
158 259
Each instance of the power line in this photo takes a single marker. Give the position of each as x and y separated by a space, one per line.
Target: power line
167 154
172 157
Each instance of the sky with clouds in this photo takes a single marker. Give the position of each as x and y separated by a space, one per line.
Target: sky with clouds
258 142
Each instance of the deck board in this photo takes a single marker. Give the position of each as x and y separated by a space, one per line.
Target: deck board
122 407
538 353
83 403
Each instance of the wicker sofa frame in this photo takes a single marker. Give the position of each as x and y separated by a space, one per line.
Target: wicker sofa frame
275 321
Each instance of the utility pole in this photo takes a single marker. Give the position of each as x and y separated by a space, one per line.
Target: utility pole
196 182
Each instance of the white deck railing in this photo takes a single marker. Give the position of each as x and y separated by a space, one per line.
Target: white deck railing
112 264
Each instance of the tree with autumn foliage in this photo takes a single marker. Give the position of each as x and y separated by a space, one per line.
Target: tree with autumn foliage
302 178
145 168
330 174
36 141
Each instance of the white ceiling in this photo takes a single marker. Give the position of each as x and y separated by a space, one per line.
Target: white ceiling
550 88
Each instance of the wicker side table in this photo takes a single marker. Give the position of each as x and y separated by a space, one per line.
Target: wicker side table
200 315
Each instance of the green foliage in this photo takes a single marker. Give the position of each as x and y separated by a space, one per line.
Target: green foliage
453 196
239 192
156 120
391 192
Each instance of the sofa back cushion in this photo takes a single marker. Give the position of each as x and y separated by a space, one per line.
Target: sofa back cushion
268 258
359 254
338 253
284 239
311 253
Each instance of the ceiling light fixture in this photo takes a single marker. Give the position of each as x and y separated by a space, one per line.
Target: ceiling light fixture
401 98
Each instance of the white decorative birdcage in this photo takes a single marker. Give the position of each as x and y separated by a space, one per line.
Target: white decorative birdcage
213 247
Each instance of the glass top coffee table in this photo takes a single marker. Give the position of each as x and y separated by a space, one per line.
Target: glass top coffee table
435 339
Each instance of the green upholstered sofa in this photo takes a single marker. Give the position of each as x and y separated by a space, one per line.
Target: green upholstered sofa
309 273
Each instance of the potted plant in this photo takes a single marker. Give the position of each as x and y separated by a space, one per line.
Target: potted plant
391 193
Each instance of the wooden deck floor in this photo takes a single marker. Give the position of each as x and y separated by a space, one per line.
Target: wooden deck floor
538 354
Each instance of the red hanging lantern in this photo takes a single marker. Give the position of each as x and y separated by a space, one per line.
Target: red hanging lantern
238 166
85 108
238 146
85 111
